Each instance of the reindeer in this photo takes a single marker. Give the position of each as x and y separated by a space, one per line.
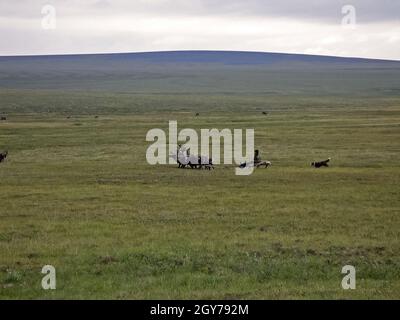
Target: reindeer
3 156
205 162
319 164
194 162
259 164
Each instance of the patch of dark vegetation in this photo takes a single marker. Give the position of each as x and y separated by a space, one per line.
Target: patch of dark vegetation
32 255
357 251
236 296
6 237
12 277
107 260
311 252
152 264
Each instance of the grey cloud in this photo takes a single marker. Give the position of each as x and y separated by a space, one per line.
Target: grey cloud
321 10
135 25
328 11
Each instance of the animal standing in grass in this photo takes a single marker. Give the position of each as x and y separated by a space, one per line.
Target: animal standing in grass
319 164
3 156
257 163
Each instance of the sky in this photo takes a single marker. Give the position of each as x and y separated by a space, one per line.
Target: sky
351 28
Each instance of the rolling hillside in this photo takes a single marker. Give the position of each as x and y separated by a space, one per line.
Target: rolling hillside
203 72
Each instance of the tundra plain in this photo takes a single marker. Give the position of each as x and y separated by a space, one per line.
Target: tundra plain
76 191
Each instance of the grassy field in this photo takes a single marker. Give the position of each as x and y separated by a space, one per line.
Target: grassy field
78 194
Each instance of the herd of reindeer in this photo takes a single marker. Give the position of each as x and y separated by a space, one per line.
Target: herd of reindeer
184 159
199 162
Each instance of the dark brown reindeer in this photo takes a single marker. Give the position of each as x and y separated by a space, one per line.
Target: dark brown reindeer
3 156
319 164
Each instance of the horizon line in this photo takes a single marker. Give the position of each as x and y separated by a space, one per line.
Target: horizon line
190 50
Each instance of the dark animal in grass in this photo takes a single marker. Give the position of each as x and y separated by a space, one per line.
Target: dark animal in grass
257 163
199 162
319 164
3 156
197 114
265 113
183 158
180 164
206 163
3 118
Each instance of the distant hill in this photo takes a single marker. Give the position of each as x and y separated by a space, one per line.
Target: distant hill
224 57
202 71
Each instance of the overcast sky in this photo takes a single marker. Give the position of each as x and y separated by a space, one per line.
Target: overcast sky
327 27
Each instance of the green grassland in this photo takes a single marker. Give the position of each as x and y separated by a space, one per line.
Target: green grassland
76 192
